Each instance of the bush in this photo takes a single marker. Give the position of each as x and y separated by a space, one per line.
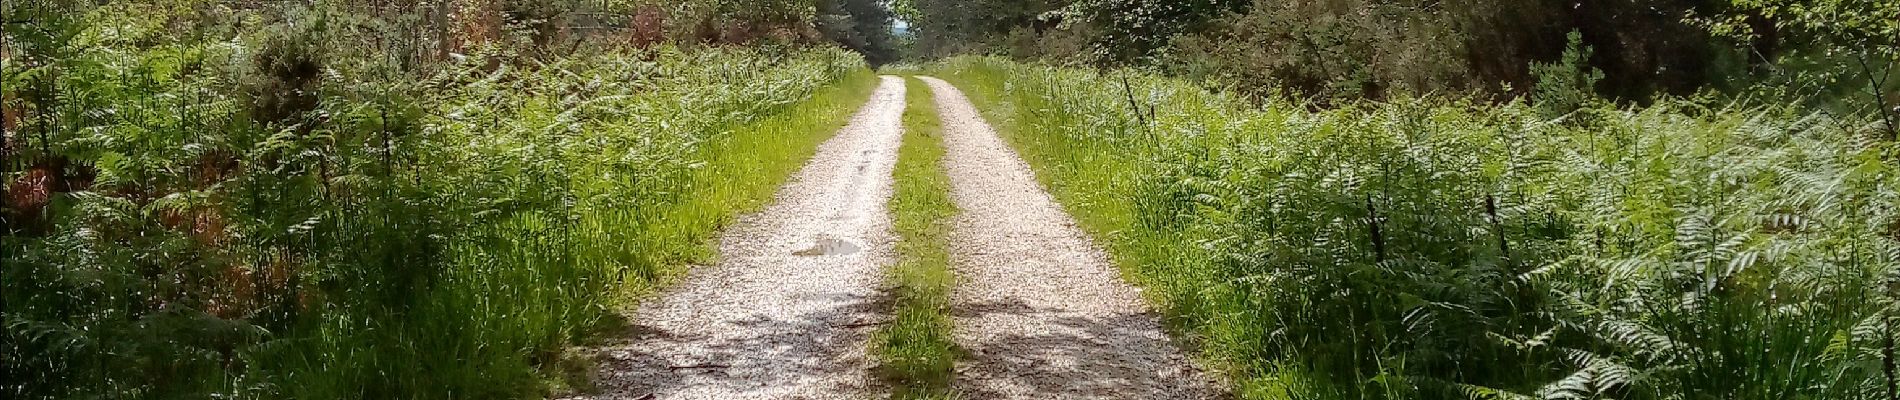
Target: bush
1568 85
296 201
1330 51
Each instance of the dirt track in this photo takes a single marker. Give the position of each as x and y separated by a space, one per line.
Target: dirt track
1042 312
787 311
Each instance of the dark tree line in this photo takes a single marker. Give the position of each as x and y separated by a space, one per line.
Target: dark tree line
1347 49
863 26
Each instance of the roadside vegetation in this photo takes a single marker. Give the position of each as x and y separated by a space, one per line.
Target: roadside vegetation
916 350
1440 248
1333 199
1481 199
345 200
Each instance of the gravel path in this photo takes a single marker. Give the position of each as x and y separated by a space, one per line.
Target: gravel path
1042 312
787 311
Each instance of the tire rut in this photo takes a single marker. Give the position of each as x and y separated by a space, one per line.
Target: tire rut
1039 308
787 311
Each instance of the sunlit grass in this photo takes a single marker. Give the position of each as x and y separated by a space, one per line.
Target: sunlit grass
1431 248
525 287
741 173
915 349
268 203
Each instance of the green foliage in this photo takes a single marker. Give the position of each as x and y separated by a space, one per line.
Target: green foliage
1433 249
1855 20
950 27
1132 29
1859 47
863 26
300 201
916 349
1838 55
1329 51
1567 85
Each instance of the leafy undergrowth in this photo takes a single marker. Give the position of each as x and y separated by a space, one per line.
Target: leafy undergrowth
1441 249
277 201
916 349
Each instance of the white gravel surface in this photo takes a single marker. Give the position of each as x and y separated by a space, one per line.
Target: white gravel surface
1041 311
787 311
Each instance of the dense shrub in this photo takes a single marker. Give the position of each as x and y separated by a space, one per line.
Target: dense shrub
229 199
863 26
1330 51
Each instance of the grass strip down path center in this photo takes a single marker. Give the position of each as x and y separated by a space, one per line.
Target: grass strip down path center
916 352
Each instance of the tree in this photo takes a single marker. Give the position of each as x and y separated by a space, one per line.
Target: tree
863 26
947 27
1863 35
1132 29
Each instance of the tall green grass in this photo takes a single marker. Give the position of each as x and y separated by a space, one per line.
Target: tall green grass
523 287
1439 249
293 200
916 351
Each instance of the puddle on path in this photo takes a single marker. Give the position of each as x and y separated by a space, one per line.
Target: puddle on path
830 247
